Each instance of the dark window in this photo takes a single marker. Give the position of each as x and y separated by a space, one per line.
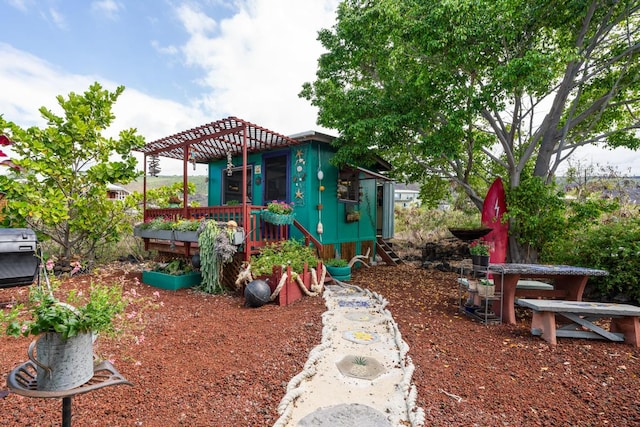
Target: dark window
275 178
348 186
232 185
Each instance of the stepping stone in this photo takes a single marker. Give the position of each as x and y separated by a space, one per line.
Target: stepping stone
363 367
361 337
359 317
345 415
354 303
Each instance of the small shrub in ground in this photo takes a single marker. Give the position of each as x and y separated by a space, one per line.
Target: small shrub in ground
613 245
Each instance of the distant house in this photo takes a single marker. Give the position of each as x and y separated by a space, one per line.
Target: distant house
115 192
405 196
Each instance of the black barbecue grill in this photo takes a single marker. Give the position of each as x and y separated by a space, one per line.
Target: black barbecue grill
18 257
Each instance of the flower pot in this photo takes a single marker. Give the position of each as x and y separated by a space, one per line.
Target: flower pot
62 364
486 291
278 219
339 273
185 236
480 260
154 234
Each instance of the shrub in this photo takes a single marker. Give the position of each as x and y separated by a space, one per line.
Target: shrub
613 245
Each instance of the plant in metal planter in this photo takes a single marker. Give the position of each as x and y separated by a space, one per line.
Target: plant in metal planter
65 331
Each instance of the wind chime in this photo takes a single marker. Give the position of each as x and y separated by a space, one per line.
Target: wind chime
154 165
192 157
229 163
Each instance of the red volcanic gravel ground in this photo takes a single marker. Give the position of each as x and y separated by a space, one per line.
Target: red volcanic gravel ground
209 361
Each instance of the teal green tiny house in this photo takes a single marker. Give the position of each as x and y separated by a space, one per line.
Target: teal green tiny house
342 211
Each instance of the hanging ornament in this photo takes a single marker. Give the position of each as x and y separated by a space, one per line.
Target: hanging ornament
229 163
192 157
154 165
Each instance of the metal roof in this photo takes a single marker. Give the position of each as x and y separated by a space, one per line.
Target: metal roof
214 140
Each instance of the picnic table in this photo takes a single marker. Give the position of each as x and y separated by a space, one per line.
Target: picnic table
568 283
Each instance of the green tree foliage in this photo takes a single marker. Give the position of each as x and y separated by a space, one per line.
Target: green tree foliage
61 191
612 245
467 90
160 196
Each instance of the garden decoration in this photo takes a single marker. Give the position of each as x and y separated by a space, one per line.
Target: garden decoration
279 213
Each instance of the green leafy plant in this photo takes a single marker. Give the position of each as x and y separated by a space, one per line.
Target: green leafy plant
44 312
175 267
479 247
336 262
360 361
485 282
285 253
187 225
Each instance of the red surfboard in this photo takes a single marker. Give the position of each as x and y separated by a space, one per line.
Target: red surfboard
494 207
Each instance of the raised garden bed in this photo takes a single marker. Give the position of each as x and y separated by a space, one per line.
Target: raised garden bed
169 281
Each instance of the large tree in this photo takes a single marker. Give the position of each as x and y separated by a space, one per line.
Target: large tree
61 188
465 90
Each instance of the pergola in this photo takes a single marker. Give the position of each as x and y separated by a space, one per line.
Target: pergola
214 141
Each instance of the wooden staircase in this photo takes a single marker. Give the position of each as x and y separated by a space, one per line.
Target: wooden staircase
386 252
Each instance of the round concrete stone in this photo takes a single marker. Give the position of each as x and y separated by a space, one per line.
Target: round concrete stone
345 415
361 337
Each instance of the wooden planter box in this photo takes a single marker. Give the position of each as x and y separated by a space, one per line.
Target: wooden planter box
154 234
291 291
171 282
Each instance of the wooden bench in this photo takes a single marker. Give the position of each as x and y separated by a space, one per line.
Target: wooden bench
625 324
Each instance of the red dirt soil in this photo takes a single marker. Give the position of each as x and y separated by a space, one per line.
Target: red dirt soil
209 361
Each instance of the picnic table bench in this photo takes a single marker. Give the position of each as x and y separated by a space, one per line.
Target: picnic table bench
568 283
625 325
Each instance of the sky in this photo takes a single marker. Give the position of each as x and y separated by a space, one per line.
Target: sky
183 63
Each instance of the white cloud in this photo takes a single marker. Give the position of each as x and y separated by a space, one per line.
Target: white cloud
107 8
30 83
18 4
256 63
57 18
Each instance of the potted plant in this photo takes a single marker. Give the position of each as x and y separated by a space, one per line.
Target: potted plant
185 230
65 330
352 216
279 213
486 288
480 250
338 268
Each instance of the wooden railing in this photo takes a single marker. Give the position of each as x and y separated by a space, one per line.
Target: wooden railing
258 232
